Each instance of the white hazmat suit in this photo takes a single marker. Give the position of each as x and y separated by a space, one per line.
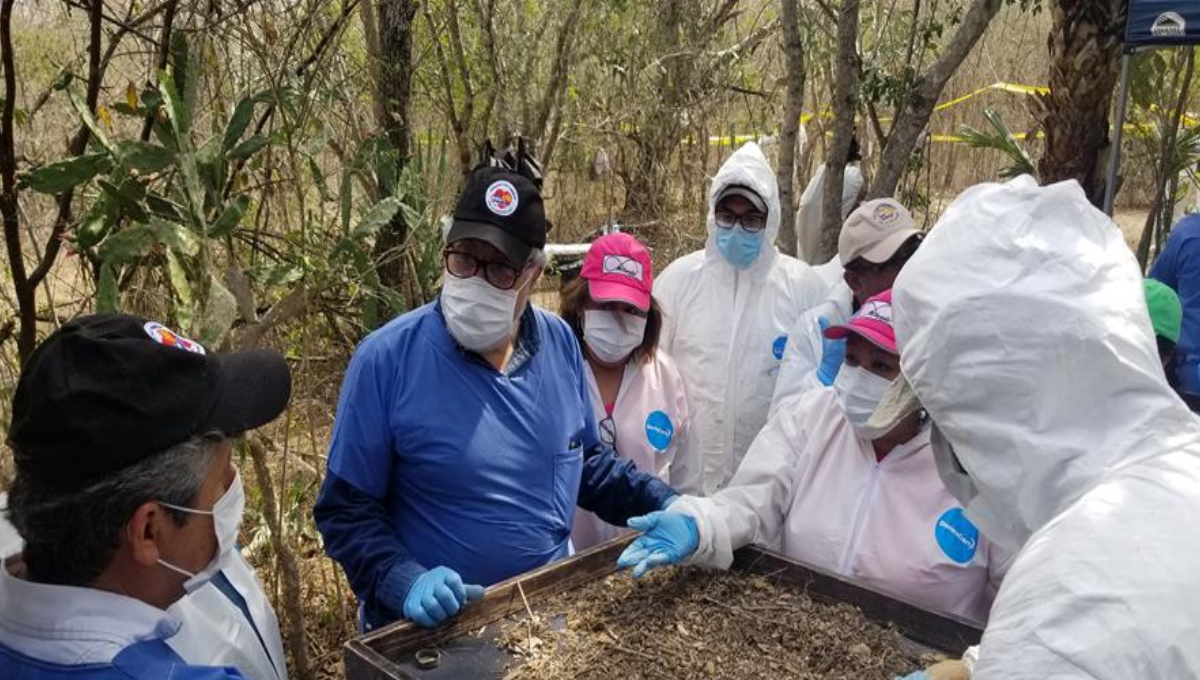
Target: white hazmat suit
727 330
812 488
811 213
1023 330
805 349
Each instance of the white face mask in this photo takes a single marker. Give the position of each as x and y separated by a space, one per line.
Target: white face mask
479 316
859 391
612 336
227 522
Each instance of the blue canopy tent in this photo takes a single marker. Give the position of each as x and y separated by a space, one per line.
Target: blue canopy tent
1150 23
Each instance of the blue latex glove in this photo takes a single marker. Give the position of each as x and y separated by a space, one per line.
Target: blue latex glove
919 675
667 538
437 595
833 353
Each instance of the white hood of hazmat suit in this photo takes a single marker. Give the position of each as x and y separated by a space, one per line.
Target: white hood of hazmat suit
1023 330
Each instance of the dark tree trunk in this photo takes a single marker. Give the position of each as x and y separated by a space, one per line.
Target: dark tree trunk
793 51
394 93
1085 46
845 106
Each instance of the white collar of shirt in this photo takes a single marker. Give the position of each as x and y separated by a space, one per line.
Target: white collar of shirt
70 626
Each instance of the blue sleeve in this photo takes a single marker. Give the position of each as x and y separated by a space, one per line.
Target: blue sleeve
350 512
1166 267
616 490
361 449
358 533
611 487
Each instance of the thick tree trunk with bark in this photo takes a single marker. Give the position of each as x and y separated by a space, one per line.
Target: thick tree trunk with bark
845 106
923 96
793 51
393 94
1085 48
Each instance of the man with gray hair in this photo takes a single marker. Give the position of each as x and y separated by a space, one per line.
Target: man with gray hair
125 495
465 435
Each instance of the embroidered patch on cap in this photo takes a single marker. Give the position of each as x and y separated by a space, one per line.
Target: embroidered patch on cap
165 336
876 309
886 213
501 198
625 266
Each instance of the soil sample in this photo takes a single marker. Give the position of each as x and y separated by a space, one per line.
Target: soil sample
691 623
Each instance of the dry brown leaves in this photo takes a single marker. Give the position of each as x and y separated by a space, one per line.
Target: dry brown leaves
683 623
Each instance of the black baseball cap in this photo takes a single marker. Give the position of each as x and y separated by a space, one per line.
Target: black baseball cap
107 391
502 208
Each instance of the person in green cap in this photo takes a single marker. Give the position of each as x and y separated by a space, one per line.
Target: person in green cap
1166 317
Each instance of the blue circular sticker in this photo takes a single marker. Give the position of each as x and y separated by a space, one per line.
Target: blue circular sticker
956 536
659 430
779 346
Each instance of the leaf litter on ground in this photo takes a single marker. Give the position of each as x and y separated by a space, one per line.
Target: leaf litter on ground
692 623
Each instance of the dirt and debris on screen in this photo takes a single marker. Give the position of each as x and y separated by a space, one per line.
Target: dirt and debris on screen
689 623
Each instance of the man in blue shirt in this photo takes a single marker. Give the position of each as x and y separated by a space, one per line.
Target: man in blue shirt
464 436
1178 266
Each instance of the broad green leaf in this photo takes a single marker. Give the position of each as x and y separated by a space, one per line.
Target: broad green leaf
89 120
55 178
183 291
144 157
164 207
377 217
108 297
176 237
231 218
94 225
176 113
127 245
238 123
126 198
248 148
319 179
220 311
281 274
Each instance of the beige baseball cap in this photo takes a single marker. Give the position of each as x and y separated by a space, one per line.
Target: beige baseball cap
875 231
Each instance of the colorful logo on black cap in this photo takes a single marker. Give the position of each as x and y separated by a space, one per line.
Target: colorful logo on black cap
165 336
501 198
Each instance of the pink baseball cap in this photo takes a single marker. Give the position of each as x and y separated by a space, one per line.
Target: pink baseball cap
618 269
872 321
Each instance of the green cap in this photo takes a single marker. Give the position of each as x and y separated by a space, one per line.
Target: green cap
1166 314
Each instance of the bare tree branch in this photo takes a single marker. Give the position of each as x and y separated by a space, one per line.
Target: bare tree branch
922 98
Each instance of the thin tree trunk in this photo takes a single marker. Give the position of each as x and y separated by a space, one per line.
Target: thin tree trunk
1166 160
293 596
368 14
1084 46
793 50
26 300
558 77
845 105
922 98
161 59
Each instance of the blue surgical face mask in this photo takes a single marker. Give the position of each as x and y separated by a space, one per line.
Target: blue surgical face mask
739 247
